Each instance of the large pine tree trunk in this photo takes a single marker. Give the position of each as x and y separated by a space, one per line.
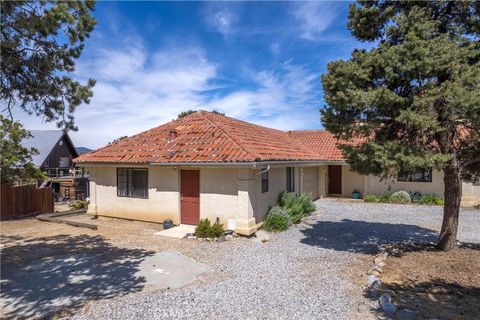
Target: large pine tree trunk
451 209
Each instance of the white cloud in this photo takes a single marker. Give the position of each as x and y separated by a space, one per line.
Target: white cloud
222 17
315 18
137 90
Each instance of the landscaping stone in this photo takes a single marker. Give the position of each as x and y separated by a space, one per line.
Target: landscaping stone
407 314
386 304
221 239
229 237
262 235
372 279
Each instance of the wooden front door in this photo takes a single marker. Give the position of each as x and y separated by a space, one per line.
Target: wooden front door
190 196
335 179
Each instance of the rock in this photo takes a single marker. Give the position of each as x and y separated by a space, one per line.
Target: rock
201 239
229 237
372 279
386 304
375 286
407 314
191 237
208 239
221 239
262 235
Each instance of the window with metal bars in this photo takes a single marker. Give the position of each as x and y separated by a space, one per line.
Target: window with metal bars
132 182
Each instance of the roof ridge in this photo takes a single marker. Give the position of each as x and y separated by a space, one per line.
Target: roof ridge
202 112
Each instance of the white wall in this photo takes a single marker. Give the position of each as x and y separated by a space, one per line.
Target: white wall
218 194
470 194
351 181
277 184
310 181
375 186
163 196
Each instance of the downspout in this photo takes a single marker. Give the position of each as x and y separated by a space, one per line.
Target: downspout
263 171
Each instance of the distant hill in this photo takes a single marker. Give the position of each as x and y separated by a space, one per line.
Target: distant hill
82 150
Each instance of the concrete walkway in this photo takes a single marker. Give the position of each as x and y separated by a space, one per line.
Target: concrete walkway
177 232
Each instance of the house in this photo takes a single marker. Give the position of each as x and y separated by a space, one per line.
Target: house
207 165
55 157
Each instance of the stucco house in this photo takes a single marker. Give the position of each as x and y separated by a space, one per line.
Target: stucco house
206 165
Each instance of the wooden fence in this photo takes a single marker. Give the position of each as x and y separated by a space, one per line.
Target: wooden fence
24 201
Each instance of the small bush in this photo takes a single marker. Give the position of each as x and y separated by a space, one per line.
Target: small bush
401 197
306 202
79 204
205 229
385 198
477 206
431 199
286 199
297 206
370 198
277 219
216 230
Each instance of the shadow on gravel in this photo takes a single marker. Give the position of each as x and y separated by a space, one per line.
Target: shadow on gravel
40 276
361 236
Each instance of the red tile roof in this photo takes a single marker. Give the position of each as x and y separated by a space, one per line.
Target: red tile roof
208 137
320 141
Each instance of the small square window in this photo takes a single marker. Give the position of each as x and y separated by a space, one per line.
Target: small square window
265 182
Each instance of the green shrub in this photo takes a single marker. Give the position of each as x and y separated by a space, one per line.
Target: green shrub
79 204
216 230
477 206
297 206
401 197
286 199
205 229
385 198
277 219
431 199
306 202
369 198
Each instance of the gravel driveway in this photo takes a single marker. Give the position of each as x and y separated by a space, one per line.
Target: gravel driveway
314 270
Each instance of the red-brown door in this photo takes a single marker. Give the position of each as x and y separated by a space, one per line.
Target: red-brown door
335 179
190 196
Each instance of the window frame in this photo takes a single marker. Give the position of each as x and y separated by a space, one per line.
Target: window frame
426 176
290 187
264 181
129 191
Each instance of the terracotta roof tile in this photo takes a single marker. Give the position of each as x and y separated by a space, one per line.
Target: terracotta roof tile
208 137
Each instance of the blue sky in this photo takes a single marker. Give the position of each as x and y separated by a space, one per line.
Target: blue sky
256 61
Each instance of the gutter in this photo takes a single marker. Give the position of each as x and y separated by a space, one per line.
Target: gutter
253 164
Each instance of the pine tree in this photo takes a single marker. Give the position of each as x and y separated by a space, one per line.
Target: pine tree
39 43
414 98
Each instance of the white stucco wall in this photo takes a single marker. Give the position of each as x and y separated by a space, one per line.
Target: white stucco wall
277 184
375 186
470 194
163 197
310 181
351 181
218 194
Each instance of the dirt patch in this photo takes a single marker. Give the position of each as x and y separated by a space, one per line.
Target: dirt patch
436 284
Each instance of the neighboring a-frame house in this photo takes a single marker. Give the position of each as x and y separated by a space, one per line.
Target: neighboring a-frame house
55 157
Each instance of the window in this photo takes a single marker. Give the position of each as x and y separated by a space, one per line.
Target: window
64 162
132 182
265 182
290 179
420 175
